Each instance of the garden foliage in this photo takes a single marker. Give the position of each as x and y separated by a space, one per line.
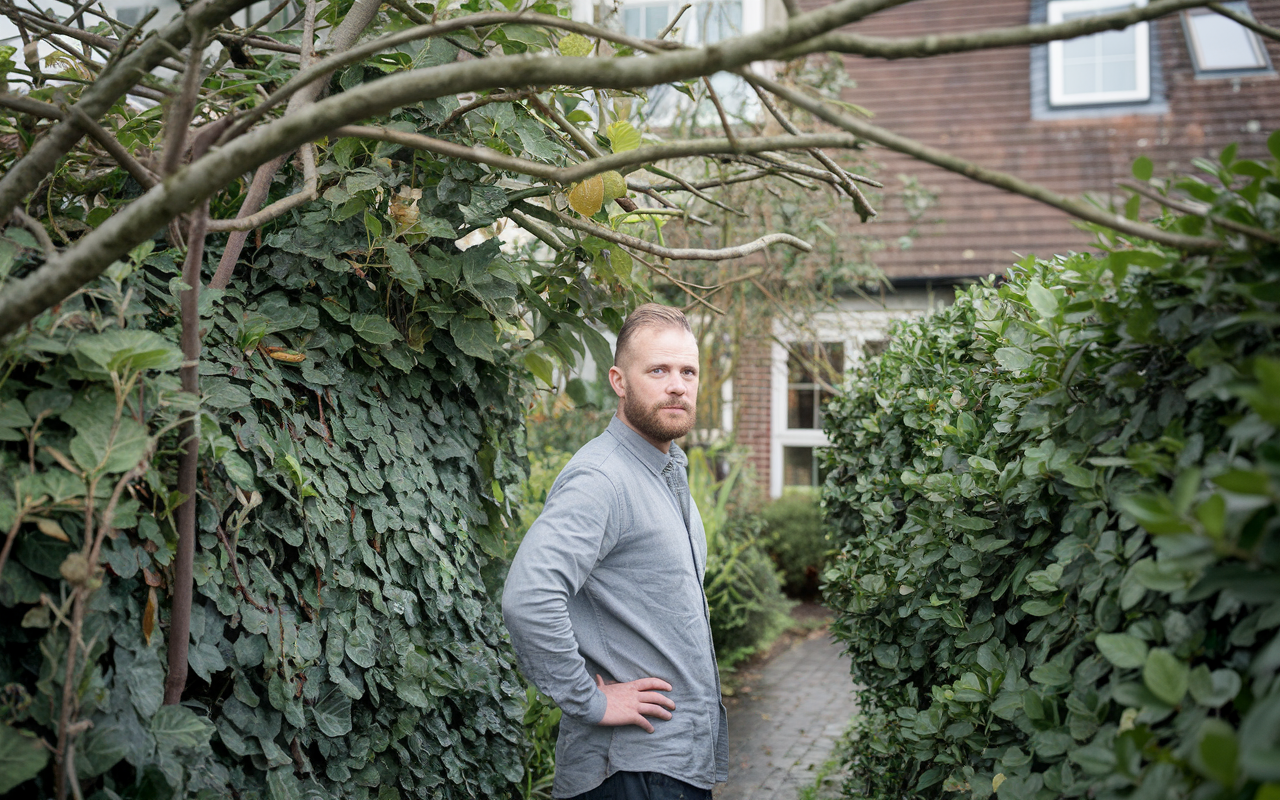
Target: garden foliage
796 540
1057 503
360 427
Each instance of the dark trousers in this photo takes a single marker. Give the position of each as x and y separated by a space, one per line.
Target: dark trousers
644 786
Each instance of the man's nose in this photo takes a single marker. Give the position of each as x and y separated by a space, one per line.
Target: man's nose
675 385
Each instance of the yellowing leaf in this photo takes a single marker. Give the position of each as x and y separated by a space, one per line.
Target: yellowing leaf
996 781
587 197
149 616
50 528
615 185
622 136
575 44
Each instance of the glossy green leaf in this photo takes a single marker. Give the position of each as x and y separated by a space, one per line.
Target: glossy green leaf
1166 675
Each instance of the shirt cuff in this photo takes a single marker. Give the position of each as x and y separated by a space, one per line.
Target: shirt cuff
595 708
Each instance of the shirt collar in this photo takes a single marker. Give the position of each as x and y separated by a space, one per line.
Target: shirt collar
650 456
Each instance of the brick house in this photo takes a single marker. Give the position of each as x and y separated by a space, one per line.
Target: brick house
1071 116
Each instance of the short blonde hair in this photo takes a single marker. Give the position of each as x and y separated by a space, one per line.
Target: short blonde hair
649 315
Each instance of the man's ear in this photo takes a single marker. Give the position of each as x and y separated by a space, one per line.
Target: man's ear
616 381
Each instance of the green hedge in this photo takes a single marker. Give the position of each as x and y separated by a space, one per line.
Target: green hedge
1057 507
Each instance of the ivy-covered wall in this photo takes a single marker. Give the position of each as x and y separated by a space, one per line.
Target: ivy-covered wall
342 642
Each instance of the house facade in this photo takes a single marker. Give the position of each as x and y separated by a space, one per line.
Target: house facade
1071 116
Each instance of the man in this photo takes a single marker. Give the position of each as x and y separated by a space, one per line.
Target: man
604 599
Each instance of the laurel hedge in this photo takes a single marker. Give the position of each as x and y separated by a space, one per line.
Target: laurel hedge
1056 502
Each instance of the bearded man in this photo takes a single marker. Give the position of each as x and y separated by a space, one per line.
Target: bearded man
604 599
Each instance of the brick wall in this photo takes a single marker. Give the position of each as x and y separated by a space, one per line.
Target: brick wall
751 403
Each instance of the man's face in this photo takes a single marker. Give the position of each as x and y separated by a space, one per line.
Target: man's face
657 384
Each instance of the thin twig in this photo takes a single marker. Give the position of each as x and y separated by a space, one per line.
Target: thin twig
724 116
480 102
309 192
544 234
860 203
683 254
8 540
37 230
672 24
1000 180
1199 210
113 147
574 132
182 109
685 287
235 572
698 193
131 35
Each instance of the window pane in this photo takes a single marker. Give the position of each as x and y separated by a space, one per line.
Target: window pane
655 19
797 466
1117 43
801 412
1221 43
1118 76
633 22
798 361
1077 79
720 20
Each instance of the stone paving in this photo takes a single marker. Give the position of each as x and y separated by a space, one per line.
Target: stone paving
785 720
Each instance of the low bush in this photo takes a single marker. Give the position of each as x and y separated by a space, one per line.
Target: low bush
794 537
1057 507
748 608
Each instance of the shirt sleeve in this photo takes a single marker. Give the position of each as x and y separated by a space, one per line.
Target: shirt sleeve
576 528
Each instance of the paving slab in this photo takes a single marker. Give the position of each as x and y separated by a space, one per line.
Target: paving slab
786 718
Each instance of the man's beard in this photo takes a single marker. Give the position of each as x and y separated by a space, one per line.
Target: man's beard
651 423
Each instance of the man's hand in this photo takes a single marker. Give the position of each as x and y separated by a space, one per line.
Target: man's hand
629 703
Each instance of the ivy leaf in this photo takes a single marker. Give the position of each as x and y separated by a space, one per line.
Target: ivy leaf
473 337
332 713
22 757
403 269
374 328
1014 359
178 726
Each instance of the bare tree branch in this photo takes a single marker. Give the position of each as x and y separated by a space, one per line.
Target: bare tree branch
310 191
583 170
111 85
141 174
37 230
940 44
546 235
845 181
1199 210
179 119
1247 21
1000 180
759 46
344 37
682 254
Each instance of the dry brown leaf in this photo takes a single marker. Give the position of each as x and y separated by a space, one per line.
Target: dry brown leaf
149 616
50 528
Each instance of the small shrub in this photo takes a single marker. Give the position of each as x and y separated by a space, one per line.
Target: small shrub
748 609
1057 502
795 538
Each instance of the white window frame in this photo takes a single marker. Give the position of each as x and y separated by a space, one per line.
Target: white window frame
1142 46
1261 62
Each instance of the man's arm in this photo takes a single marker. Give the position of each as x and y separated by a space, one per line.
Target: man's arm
577 527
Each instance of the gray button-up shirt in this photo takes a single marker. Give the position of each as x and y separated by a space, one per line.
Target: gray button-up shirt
608 581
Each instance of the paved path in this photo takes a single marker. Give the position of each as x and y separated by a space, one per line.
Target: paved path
786 719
